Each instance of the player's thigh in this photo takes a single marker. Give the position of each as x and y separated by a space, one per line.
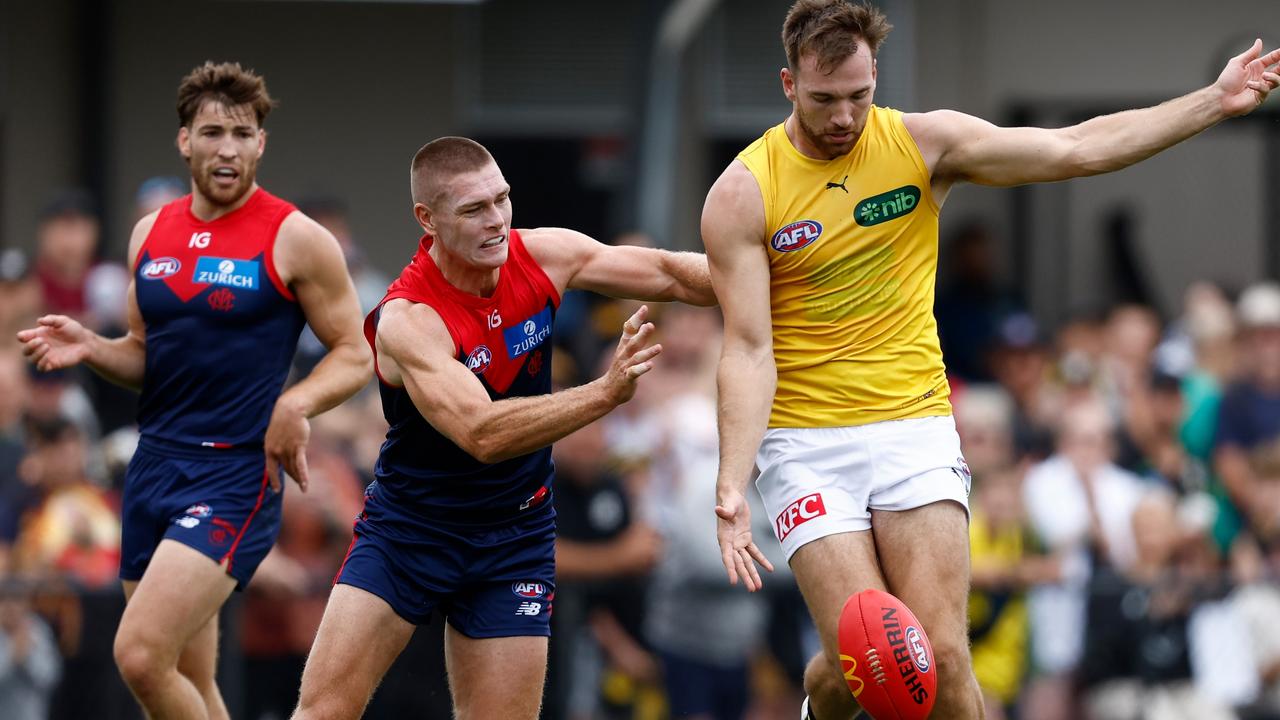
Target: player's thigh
495 677
924 555
178 595
829 570
360 636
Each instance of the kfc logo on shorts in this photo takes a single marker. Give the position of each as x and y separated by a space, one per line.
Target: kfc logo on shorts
529 589
799 513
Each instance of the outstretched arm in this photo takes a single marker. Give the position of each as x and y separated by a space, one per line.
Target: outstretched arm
575 261
59 342
415 349
310 261
733 231
961 147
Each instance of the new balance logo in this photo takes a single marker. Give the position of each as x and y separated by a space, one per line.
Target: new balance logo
832 185
531 609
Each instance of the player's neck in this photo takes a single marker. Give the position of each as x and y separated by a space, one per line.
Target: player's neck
481 282
208 210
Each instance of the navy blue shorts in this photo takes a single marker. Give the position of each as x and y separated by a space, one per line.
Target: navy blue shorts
493 582
218 502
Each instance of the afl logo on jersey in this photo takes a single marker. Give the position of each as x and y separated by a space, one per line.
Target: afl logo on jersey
161 268
529 589
479 359
796 236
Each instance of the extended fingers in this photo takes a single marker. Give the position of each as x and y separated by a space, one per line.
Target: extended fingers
759 557
273 472
636 321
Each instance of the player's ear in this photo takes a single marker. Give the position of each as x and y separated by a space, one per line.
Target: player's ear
184 142
262 141
788 83
422 214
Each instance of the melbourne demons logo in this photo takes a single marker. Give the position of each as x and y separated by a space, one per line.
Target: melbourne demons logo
222 300
796 236
798 513
479 360
161 268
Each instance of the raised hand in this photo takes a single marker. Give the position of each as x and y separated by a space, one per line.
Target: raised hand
55 343
633 357
737 550
1247 80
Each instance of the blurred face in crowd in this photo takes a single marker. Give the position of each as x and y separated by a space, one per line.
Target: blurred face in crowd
471 217
831 107
67 244
1086 437
222 146
57 463
1263 355
1132 333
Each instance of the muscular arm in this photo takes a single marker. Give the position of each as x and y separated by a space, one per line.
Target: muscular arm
415 348
961 147
733 230
573 260
311 263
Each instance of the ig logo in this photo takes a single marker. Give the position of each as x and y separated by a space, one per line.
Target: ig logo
200 240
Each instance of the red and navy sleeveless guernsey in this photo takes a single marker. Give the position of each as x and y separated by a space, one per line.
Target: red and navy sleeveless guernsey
221 326
505 339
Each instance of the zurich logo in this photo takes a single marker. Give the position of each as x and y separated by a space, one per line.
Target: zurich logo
529 327
161 268
479 359
226 266
529 589
796 236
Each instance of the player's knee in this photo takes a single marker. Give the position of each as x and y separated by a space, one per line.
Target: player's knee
954 664
822 676
140 664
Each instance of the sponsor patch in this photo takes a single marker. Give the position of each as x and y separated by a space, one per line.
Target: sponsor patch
798 513
480 359
887 206
200 510
187 521
160 268
527 335
529 589
240 274
796 236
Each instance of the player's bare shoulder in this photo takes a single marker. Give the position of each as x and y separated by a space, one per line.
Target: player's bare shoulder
734 208
301 246
560 252
141 230
408 333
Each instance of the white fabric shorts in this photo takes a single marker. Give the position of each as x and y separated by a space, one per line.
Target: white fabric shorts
817 482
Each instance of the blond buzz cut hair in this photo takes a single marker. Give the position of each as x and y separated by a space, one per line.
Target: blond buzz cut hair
440 160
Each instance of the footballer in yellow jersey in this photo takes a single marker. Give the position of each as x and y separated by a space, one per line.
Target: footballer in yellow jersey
822 241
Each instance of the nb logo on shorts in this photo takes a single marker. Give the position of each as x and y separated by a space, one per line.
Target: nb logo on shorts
798 513
530 609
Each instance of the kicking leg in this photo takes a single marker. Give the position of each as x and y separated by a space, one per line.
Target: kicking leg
829 570
359 637
172 616
924 553
495 677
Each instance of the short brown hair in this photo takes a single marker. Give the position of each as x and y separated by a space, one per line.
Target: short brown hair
441 159
227 84
830 29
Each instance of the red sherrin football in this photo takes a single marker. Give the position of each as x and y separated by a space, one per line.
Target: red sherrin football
886 657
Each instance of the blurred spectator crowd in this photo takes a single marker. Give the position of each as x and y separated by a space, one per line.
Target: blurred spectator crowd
1125 512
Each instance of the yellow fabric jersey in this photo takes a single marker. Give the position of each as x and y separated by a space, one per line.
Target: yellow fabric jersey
853 251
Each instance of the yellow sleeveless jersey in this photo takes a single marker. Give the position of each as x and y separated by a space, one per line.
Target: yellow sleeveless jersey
853 251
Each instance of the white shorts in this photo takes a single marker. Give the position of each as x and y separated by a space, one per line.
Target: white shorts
817 482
